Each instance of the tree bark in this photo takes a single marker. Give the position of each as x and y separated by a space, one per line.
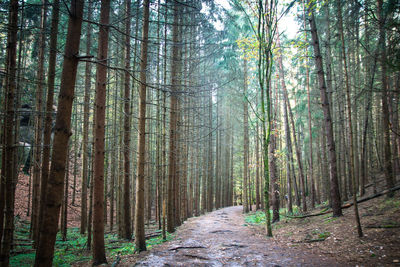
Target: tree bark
8 171
335 194
127 132
86 110
140 240
49 106
175 67
99 256
48 230
37 149
245 141
387 165
350 126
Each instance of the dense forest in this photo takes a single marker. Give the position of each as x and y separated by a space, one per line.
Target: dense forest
122 120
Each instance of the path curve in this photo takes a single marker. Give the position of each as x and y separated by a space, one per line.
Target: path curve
221 238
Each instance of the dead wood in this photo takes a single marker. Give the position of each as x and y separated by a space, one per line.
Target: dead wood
382 226
183 247
345 206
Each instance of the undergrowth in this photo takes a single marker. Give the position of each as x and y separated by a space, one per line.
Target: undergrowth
74 249
258 217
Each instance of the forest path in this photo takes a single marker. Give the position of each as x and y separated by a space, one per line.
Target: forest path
221 238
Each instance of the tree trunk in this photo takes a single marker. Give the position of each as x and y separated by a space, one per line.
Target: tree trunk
48 229
335 194
64 209
49 106
86 110
140 240
8 172
37 149
287 113
387 165
257 166
245 141
350 126
210 182
127 132
309 118
274 179
99 256
175 82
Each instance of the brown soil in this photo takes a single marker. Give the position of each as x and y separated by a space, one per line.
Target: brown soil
221 238
378 247
22 193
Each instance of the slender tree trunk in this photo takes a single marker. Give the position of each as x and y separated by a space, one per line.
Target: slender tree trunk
90 214
245 141
49 106
86 111
210 180
37 149
76 151
388 169
48 230
350 126
8 172
287 113
64 209
309 119
140 240
175 81
274 179
159 167
257 166
164 132
335 194
99 256
127 132
178 154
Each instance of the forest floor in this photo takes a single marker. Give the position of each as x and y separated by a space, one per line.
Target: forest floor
228 238
222 238
338 238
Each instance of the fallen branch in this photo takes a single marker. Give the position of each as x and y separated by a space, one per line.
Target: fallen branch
148 236
345 206
177 248
384 192
314 240
324 211
382 226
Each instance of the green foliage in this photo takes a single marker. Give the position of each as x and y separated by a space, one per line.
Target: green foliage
255 218
74 249
390 203
24 259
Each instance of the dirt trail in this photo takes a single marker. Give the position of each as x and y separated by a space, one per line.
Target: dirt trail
220 238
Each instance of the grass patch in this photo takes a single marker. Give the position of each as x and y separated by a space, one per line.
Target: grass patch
74 249
256 218
390 203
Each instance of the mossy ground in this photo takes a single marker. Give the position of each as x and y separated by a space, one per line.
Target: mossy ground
74 250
